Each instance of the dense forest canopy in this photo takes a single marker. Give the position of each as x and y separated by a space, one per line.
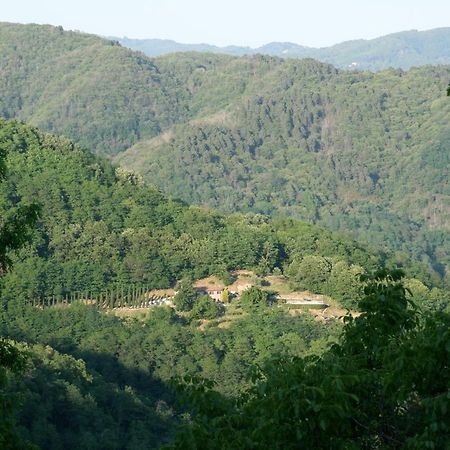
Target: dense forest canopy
92 90
363 153
358 152
263 139
383 385
101 225
90 379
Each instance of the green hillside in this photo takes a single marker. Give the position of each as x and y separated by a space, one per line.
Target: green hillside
102 226
95 381
363 153
88 379
92 90
402 50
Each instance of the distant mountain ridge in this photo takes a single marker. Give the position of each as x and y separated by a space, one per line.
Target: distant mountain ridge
401 50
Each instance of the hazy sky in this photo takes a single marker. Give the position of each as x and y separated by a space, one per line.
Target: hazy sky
242 22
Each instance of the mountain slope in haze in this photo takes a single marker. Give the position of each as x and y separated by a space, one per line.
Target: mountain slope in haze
360 152
159 47
103 96
96 92
399 50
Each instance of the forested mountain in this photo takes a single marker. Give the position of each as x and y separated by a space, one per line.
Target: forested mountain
95 381
92 90
102 226
92 380
364 153
398 50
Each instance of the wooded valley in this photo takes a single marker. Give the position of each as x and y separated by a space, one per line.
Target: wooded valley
357 152
128 184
